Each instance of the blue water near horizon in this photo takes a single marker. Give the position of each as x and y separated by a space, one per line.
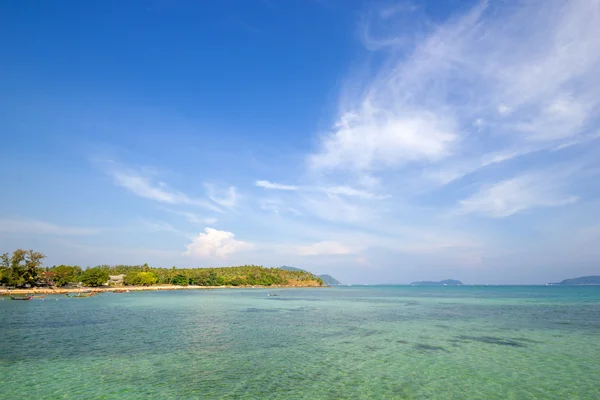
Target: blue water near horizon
358 342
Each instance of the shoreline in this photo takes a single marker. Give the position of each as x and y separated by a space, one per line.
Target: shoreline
6 292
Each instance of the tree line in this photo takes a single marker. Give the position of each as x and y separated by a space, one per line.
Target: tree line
24 268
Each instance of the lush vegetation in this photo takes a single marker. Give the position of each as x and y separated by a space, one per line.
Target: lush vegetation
94 277
23 268
20 268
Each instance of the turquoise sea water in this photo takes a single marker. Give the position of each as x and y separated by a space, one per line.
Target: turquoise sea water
379 342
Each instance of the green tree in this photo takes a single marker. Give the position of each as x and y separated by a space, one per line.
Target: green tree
65 274
4 269
21 268
17 268
94 276
147 278
140 279
33 265
180 280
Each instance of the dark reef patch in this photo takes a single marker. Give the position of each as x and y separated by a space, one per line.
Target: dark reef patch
257 310
493 340
521 339
428 347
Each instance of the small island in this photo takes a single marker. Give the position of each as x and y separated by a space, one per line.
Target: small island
583 280
447 282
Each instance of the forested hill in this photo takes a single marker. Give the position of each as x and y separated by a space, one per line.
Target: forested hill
583 280
327 279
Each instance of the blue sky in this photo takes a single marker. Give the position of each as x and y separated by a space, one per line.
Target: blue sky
379 142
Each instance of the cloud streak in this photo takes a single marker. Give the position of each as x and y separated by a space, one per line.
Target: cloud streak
328 190
324 248
515 195
143 185
37 227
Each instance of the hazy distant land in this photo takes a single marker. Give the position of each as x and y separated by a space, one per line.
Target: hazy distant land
447 282
583 280
327 279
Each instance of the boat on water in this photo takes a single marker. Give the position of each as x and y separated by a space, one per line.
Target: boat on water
80 294
38 297
21 297
121 291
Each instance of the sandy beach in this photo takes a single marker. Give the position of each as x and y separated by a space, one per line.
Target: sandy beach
136 288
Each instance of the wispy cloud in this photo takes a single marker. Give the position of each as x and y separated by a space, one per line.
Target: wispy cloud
480 114
143 185
488 82
330 190
324 248
516 195
225 198
156 226
215 243
276 186
192 217
37 227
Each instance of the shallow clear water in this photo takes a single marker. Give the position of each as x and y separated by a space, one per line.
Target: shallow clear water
381 342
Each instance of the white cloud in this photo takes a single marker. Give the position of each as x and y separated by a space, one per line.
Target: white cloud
32 226
143 186
503 109
515 195
380 136
275 186
330 190
193 218
225 198
216 243
324 248
526 74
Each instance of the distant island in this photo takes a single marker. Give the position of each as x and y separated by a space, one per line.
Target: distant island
447 282
583 280
327 279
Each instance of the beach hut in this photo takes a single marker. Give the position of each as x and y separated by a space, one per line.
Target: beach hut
115 279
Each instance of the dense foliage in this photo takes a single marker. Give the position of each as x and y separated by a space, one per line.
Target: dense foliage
94 277
24 268
21 268
180 280
144 278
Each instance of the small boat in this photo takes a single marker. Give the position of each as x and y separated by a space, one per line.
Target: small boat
38 297
272 294
121 291
80 294
21 297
